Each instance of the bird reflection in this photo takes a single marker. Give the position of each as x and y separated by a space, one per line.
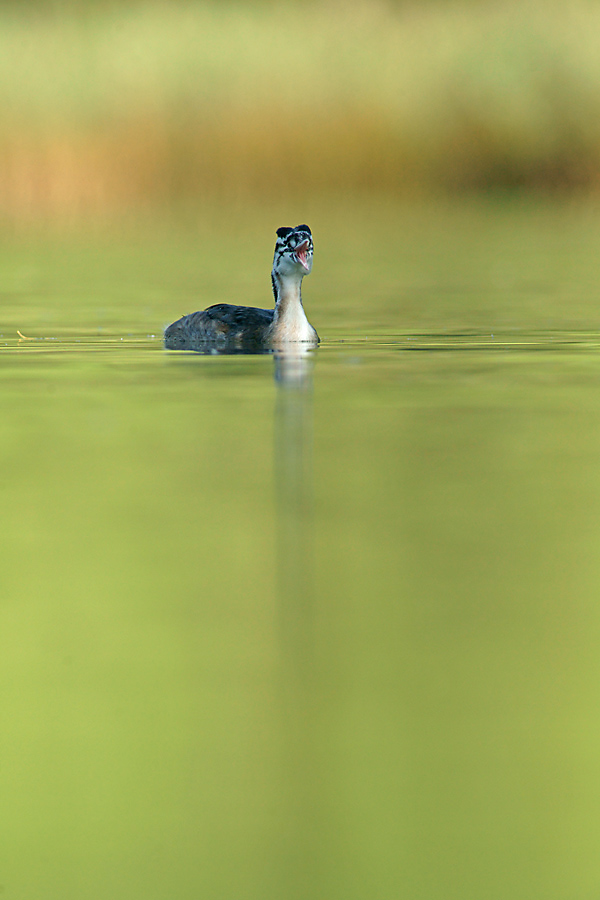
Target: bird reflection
293 430
294 497
292 470
301 838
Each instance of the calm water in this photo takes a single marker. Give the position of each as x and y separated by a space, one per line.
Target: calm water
317 628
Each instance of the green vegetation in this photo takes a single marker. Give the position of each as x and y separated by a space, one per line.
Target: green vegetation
114 106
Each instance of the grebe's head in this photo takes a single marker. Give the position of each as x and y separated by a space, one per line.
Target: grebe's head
293 251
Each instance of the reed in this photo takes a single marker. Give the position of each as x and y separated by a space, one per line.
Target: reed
122 106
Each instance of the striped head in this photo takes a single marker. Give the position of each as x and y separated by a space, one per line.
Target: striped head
293 251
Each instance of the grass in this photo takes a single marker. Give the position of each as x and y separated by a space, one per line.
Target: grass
120 106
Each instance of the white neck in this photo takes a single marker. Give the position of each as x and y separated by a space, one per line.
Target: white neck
289 321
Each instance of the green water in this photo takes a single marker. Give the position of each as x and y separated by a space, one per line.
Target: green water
330 634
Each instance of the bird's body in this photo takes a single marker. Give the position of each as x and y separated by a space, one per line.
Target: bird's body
222 323
247 326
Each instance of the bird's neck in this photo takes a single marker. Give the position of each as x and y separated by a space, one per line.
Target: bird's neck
289 319
288 297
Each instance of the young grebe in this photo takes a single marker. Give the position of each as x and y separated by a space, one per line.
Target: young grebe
246 326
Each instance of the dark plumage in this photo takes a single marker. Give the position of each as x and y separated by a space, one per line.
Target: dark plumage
222 323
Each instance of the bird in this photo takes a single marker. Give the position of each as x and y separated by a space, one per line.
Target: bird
228 326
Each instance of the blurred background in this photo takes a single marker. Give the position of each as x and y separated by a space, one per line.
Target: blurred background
332 640
109 106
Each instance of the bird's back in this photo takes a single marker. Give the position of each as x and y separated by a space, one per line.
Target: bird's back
224 323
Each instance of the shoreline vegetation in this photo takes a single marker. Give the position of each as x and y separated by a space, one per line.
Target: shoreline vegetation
109 107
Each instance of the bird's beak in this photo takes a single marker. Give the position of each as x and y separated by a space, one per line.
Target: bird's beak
300 253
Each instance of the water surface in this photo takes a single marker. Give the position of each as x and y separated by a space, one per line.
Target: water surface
328 631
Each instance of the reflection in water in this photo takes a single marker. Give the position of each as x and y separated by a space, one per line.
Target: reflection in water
293 487
301 829
299 838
